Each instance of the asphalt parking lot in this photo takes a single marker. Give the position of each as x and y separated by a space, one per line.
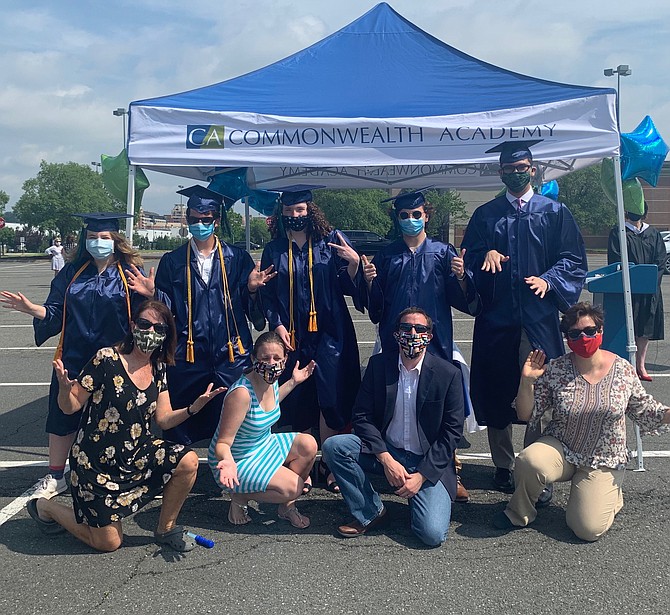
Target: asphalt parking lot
268 567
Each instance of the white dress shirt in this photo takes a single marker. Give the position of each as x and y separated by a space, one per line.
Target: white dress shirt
403 430
204 262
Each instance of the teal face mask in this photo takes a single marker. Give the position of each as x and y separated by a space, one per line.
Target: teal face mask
411 226
201 232
100 248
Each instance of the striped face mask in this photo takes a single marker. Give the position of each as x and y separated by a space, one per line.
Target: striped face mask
270 372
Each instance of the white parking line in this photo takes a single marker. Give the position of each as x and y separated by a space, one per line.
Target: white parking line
30 348
24 384
14 326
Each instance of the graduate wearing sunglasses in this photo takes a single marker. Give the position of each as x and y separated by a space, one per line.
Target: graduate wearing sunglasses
588 394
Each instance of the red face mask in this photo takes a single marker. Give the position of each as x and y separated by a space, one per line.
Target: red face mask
586 346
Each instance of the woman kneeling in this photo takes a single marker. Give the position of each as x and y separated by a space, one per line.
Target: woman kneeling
245 457
117 464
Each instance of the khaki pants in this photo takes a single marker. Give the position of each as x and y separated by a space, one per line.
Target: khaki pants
595 495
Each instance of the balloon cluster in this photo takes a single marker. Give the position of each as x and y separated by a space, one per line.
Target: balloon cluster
234 185
642 154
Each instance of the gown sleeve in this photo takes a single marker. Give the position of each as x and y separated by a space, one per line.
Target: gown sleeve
355 288
269 295
52 323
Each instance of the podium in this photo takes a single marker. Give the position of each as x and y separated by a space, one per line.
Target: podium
606 284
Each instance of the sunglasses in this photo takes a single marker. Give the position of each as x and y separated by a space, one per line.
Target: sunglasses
194 220
407 327
416 214
574 334
144 325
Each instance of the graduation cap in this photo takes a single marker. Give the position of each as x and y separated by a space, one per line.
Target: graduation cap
513 151
204 200
102 220
298 193
409 200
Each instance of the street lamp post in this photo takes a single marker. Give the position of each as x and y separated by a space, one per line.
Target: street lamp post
623 70
181 196
96 166
121 112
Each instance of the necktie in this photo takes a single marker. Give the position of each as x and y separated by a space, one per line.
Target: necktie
519 204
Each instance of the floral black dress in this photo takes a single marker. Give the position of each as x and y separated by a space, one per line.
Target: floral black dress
117 464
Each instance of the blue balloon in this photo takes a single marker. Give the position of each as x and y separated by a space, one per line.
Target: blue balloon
550 190
263 201
643 152
231 183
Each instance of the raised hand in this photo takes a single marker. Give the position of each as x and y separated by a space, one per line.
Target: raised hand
534 366
140 283
64 382
20 303
369 270
209 394
300 375
538 285
228 473
258 277
282 332
345 251
458 265
493 261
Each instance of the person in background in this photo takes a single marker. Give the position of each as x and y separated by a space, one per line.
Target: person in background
246 458
212 289
419 271
305 305
529 262
117 464
645 247
588 394
89 305
408 419
55 251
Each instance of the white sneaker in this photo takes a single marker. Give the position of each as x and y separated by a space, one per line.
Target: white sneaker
49 487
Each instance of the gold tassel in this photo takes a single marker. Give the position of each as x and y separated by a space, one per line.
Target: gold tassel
311 327
240 348
293 339
231 352
190 352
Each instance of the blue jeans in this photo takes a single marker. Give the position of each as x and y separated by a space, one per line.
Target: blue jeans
430 509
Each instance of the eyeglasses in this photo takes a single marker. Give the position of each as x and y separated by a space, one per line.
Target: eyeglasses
144 325
407 327
194 220
510 168
416 214
574 334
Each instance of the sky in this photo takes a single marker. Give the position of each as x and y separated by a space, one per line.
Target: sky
66 65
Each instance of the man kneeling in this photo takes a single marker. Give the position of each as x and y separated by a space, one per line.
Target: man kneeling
407 419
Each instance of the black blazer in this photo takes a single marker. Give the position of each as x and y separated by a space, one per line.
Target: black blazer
439 408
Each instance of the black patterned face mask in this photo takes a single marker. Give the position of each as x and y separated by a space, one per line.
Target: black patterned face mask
147 341
295 223
270 372
412 344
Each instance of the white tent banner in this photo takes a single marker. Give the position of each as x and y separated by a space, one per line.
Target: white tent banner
353 151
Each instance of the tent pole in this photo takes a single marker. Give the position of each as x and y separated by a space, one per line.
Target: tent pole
247 224
130 203
631 348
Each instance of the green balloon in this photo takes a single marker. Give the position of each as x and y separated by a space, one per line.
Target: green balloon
633 195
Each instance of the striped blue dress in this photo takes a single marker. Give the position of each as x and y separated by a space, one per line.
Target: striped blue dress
257 451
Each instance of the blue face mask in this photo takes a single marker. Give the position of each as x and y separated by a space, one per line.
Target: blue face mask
100 248
411 226
201 232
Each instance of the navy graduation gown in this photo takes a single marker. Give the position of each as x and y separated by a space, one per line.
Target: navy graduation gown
186 381
97 316
541 240
422 278
334 384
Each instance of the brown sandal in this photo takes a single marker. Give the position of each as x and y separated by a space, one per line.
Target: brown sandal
293 516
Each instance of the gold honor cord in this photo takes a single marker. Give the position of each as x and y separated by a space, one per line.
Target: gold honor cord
190 345
311 325
59 349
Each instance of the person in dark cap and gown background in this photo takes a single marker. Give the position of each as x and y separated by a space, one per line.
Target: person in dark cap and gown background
212 287
305 305
645 247
419 271
89 304
529 262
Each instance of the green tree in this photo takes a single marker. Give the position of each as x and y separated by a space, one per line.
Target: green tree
259 231
60 190
233 228
4 199
449 208
356 209
582 193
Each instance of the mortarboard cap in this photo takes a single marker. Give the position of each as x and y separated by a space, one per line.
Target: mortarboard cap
203 199
102 220
513 151
298 193
408 200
